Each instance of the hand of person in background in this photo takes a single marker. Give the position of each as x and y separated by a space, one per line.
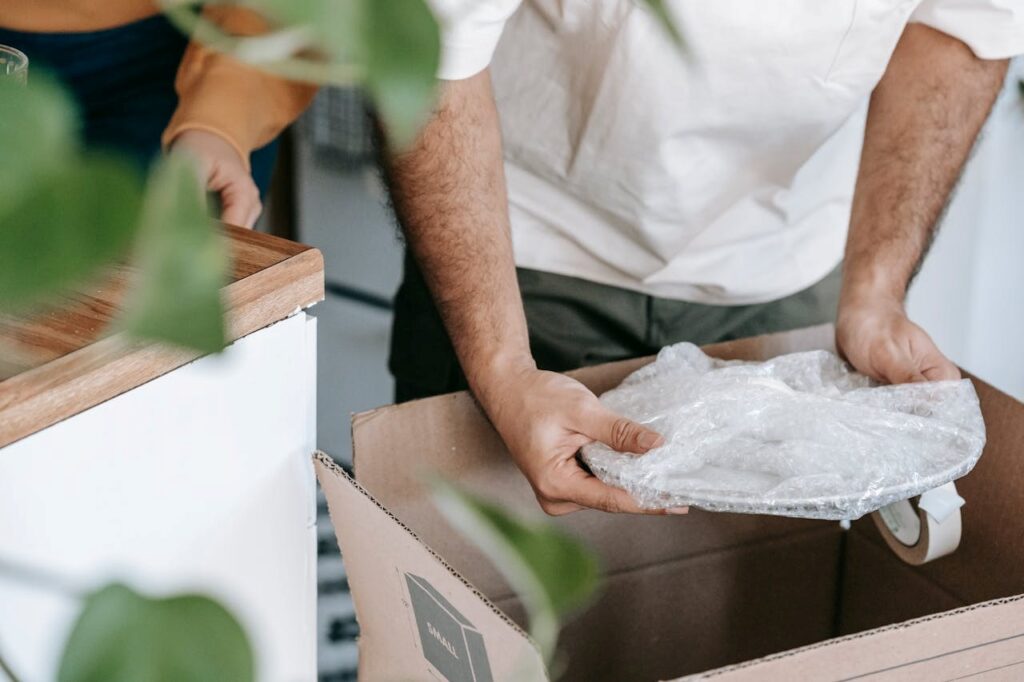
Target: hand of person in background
544 419
876 337
224 172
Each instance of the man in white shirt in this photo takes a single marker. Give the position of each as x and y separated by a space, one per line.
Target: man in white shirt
649 196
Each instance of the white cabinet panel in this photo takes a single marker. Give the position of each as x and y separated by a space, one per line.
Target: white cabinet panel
200 480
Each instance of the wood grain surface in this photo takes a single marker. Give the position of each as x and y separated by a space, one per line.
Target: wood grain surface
62 360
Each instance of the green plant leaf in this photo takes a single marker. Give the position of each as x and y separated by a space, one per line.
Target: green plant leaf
122 636
182 261
314 41
66 227
403 49
37 135
665 19
550 571
394 47
334 24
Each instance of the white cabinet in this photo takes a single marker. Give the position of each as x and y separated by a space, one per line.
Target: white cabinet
200 481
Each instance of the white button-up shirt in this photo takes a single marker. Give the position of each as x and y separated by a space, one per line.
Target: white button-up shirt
723 175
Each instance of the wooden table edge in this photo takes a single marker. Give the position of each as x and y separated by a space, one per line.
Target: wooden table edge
62 388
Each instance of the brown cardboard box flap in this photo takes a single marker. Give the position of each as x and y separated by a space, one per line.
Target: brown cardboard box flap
879 589
698 613
982 641
409 600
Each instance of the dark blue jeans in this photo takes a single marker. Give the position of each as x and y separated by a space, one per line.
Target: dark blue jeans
122 80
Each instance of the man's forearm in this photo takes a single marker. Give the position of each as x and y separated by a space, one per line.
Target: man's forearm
449 191
923 119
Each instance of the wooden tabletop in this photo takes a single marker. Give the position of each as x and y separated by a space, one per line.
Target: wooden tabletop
64 360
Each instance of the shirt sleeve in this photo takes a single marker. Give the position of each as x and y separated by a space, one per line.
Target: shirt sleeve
470 30
219 94
993 29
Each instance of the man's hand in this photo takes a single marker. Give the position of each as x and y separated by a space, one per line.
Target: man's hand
876 337
923 119
544 419
223 171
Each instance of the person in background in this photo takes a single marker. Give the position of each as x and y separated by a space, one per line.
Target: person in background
141 87
650 197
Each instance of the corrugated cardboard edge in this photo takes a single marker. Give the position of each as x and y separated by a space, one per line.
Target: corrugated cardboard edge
837 641
324 461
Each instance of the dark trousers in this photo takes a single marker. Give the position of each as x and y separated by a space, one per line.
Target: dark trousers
122 81
574 323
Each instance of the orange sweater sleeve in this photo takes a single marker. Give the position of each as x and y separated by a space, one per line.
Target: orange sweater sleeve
219 94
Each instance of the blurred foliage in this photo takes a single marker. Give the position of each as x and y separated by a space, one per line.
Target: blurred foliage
35 136
392 48
552 572
65 228
63 213
661 12
123 636
66 215
176 296
402 56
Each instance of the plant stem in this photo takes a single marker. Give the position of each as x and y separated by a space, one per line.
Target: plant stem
6 670
36 578
39 578
193 24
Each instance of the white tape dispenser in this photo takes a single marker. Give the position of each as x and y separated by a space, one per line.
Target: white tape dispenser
924 528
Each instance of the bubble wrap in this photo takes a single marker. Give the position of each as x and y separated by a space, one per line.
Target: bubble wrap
798 435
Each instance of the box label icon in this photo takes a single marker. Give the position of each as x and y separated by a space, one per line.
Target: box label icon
450 642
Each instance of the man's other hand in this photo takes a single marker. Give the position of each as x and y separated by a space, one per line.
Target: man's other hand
544 419
223 171
877 338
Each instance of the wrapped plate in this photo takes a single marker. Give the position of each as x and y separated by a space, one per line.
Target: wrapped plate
799 435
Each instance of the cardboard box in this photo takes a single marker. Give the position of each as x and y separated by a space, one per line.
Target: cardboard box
705 592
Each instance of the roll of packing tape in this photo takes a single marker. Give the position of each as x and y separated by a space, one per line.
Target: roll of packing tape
927 530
